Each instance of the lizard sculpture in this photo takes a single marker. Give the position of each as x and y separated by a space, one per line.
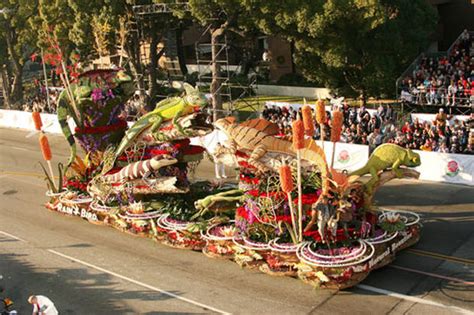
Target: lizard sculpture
387 156
168 109
258 143
118 81
139 169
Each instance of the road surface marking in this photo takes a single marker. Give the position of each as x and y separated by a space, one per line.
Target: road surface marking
12 236
412 298
434 275
440 256
210 308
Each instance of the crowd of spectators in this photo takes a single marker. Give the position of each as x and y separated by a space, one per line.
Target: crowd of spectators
39 102
444 81
362 127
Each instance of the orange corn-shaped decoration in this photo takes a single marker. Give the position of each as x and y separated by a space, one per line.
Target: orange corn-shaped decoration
336 128
298 134
45 148
308 120
286 179
37 120
320 112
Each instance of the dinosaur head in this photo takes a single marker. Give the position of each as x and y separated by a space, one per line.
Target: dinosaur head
413 159
193 96
125 82
162 161
223 124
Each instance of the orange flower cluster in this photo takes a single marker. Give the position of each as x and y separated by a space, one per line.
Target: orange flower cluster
308 120
336 125
286 179
320 112
37 120
298 134
45 148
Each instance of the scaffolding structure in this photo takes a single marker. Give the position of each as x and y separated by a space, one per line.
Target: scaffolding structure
231 91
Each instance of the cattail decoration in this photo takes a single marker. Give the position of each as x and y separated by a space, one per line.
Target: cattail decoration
37 120
336 128
308 120
298 134
286 179
320 112
45 148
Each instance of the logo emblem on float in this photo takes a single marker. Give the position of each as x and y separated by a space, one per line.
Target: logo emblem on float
452 168
343 157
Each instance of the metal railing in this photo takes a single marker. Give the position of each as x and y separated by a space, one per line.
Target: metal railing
440 97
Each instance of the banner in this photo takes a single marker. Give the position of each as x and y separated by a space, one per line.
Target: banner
348 156
446 167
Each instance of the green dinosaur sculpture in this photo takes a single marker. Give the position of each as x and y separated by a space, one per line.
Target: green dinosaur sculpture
117 83
206 204
169 109
387 156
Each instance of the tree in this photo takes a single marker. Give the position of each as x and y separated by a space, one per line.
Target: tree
16 43
357 46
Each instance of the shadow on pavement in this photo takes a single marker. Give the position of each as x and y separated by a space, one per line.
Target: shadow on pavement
74 291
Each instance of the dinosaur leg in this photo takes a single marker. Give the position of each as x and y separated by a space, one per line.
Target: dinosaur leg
154 130
178 127
396 168
255 156
373 180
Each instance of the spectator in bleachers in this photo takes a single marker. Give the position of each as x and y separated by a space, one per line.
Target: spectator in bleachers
447 80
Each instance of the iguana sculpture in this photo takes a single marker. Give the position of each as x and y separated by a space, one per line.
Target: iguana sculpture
168 109
387 156
118 83
246 138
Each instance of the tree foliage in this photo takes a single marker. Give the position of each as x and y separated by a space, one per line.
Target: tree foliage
16 42
357 46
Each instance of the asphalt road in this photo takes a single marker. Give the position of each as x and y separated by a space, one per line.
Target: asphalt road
89 269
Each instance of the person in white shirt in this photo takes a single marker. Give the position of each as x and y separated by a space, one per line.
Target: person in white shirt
42 305
219 166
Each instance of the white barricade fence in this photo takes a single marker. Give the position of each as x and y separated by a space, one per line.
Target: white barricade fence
446 167
439 167
24 120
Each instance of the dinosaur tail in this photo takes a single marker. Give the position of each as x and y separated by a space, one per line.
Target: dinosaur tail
132 171
62 118
359 172
131 134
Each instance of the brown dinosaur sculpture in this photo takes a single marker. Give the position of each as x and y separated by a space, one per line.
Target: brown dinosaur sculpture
256 137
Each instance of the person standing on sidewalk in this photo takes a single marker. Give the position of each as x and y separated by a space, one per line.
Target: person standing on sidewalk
42 305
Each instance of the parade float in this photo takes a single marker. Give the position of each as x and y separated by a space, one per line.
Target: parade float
290 214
